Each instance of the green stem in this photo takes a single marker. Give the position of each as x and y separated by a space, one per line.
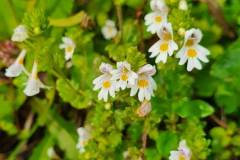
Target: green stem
20 146
70 21
120 20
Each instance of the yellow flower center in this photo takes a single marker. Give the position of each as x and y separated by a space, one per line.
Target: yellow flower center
110 29
189 42
20 61
124 77
142 83
164 47
106 84
158 19
191 53
167 36
69 49
182 157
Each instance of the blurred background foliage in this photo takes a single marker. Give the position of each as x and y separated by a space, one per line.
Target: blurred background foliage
202 107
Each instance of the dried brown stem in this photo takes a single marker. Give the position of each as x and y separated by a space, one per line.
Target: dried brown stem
219 17
144 144
29 121
120 20
218 121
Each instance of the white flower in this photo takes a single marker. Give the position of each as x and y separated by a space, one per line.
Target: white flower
183 5
17 67
154 20
144 83
20 34
144 109
192 52
69 47
183 152
109 30
83 138
105 82
165 46
33 84
124 75
159 5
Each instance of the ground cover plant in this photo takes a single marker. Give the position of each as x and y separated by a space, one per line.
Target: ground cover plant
120 79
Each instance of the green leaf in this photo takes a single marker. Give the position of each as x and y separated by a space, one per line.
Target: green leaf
8 126
127 53
8 19
227 67
135 131
40 151
166 142
194 108
200 84
70 93
227 98
65 134
151 154
131 32
134 3
6 107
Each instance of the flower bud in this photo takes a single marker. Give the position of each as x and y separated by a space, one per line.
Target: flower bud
183 5
144 109
181 31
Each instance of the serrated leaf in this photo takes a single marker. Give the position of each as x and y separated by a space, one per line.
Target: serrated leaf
127 53
166 142
70 93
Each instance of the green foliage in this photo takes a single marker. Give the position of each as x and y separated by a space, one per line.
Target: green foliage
40 152
166 142
194 108
36 22
126 53
71 94
201 107
226 69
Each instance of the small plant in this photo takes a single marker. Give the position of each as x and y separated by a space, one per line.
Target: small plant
119 79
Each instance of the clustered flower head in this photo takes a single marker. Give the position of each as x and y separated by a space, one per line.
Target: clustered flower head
183 152
155 19
123 77
191 52
165 46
